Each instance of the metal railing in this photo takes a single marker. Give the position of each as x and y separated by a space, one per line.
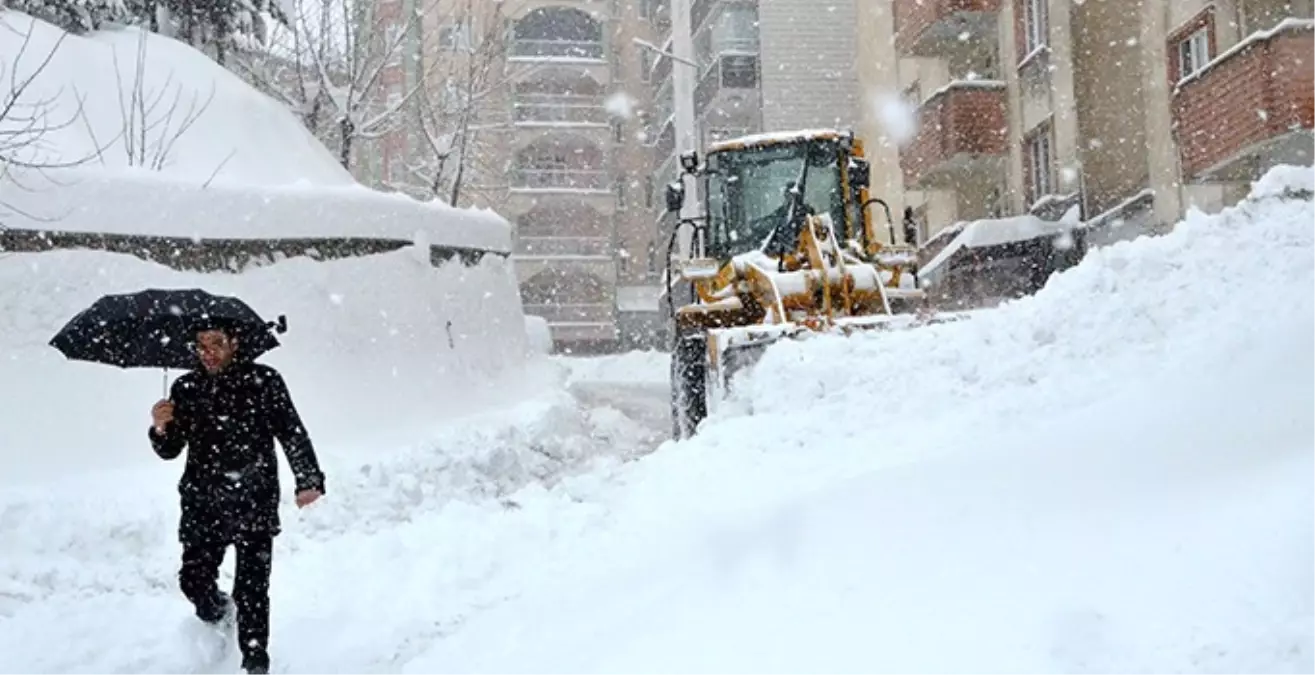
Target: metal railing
593 247
559 179
542 49
727 72
558 109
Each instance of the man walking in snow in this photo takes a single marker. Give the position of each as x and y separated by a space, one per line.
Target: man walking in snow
227 415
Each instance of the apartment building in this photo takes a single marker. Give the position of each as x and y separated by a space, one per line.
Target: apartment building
1121 112
758 65
560 152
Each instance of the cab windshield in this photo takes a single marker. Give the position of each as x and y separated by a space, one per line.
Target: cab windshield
747 194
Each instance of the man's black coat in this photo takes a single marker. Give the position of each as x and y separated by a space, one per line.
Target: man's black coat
228 423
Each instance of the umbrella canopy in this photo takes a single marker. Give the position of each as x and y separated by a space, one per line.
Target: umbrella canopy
157 329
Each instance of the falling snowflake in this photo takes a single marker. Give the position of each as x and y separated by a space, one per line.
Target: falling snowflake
620 105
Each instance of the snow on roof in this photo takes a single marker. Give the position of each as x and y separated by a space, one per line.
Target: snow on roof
994 232
967 84
147 203
768 138
1288 24
245 168
239 134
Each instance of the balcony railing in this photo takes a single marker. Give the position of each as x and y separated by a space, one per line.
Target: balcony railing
559 179
574 314
557 49
929 27
729 71
960 127
564 247
558 109
1250 107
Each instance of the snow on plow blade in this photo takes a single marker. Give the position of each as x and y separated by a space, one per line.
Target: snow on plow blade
705 365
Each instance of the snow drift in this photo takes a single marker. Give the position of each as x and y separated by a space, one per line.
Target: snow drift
1111 475
378 344
202 154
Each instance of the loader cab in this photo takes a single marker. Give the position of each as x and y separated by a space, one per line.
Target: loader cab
750 185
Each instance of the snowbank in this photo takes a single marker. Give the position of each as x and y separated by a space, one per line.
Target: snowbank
1111 475
634 367
203 155
378 346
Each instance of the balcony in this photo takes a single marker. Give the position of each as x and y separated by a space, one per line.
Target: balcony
564 247
556 50
578 323
962 129
726 83
1250 108
558 110
929 27
560 180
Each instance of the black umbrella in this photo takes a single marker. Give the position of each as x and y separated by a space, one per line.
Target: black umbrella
156 329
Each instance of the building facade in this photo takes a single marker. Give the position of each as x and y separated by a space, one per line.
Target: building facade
553 142
1121 112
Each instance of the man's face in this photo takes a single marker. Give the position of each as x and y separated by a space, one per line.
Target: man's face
216 349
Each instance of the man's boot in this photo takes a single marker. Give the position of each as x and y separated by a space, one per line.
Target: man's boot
219 609
254 660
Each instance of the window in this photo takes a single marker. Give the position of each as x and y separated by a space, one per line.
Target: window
1037 24
1037 155
648 190
618 131
621 191
1193 52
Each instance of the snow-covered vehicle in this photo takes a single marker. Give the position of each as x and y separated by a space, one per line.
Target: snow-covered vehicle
785 246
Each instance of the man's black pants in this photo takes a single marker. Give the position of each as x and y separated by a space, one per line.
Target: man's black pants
198 578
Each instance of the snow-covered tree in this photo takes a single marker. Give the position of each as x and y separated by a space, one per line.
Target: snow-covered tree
461 67
213 26
338 65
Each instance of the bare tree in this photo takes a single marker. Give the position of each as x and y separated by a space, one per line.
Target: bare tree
27 121
334 67
460 74
149 134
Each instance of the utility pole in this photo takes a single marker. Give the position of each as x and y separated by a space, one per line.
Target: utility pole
682 88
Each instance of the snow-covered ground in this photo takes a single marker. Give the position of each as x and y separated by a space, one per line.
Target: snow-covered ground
1113 475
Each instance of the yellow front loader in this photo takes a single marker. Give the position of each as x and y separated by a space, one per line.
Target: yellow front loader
785 245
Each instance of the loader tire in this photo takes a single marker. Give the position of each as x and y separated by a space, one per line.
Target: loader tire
689 384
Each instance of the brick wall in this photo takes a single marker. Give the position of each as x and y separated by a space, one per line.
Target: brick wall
913 17
1259 92
809 78
959 120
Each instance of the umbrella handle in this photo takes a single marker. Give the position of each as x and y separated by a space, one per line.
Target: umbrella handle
166 382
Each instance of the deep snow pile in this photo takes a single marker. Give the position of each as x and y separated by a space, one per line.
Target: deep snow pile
635 367
377 347
1112 475
82 88
181 147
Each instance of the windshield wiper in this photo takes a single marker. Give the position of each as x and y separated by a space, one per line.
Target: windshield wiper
785 236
